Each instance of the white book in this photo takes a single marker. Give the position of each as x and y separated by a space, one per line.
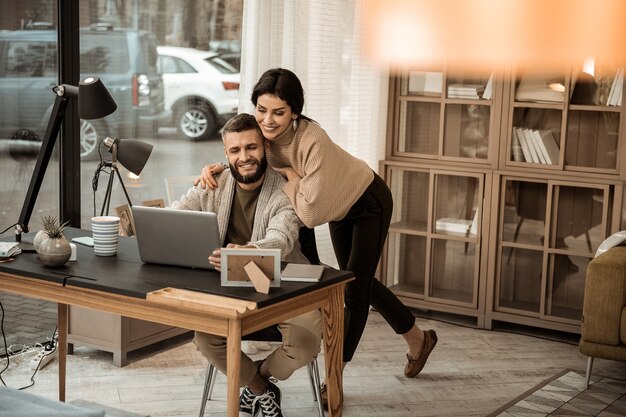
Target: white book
451 224
425 82
516 147
522 141
531 146
465 96
551 146
488 88
474 227
612 92
302 273
616 91
466 88
539 146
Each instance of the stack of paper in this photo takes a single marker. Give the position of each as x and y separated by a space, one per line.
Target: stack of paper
9 249
469 91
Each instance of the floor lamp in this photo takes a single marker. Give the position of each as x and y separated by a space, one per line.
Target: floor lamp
132 155
94 102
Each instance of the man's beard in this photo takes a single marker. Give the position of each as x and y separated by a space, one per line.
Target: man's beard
250 178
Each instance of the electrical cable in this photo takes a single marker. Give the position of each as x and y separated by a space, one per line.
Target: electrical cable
7 229
51 342
6 347
102 165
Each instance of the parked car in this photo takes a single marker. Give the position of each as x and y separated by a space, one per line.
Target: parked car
201 90
125 60
230 51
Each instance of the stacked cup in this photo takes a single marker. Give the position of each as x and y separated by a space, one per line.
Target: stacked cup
105 230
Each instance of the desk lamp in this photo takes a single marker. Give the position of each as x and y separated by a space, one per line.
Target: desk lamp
132 155
94 102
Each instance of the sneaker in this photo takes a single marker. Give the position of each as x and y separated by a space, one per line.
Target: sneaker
268 403
246 403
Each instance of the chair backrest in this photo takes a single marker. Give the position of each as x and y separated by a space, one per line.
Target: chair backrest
177 186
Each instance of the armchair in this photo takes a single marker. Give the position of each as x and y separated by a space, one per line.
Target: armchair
603 332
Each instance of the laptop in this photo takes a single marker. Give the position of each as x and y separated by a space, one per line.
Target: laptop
176 237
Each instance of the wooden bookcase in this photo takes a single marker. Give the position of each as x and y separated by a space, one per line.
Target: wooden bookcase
535 221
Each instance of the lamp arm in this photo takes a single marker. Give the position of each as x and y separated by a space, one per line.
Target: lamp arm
43 158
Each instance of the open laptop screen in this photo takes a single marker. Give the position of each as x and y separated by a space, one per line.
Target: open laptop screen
176 237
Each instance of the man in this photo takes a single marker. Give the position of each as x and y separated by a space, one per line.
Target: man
252 211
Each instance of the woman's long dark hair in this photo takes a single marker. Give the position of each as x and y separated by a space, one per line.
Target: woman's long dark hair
284 84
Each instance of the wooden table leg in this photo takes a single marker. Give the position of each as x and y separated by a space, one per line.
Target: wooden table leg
333 349
62 313
233 363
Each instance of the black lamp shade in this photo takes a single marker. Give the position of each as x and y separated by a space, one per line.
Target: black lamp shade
94 100
133 154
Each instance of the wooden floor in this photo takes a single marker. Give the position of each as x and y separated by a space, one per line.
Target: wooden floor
471 373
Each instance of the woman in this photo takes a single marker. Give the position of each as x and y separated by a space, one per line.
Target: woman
327 184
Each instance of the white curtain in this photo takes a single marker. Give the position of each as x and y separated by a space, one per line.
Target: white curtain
320 40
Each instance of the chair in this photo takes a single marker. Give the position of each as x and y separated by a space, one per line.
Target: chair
308 247
603 330
270 334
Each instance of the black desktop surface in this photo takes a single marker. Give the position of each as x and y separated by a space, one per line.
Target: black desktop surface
125 274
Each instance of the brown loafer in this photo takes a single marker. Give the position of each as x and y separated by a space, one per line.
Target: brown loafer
324 396
415 366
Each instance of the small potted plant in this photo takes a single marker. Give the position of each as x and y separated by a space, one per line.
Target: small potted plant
47 222
54 250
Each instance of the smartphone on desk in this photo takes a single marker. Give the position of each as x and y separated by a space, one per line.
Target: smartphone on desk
83 240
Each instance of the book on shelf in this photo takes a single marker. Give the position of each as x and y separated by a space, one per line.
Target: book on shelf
614 98
302 273
537 146
537 143
473 230
488 89
451 224
516 147
472 91
534 88
523 143
534 157
549 145
425 82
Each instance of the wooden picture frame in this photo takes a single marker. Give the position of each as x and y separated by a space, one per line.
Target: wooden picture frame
127 224
157 202
234 260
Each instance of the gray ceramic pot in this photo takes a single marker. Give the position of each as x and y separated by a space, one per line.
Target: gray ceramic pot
54 252
40 236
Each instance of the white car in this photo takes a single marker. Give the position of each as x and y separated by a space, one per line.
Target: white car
201 90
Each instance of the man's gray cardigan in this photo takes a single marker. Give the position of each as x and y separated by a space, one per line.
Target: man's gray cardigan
276 225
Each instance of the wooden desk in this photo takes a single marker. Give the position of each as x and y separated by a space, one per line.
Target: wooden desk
123 285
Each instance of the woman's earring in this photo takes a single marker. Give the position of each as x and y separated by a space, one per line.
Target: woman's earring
294 124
